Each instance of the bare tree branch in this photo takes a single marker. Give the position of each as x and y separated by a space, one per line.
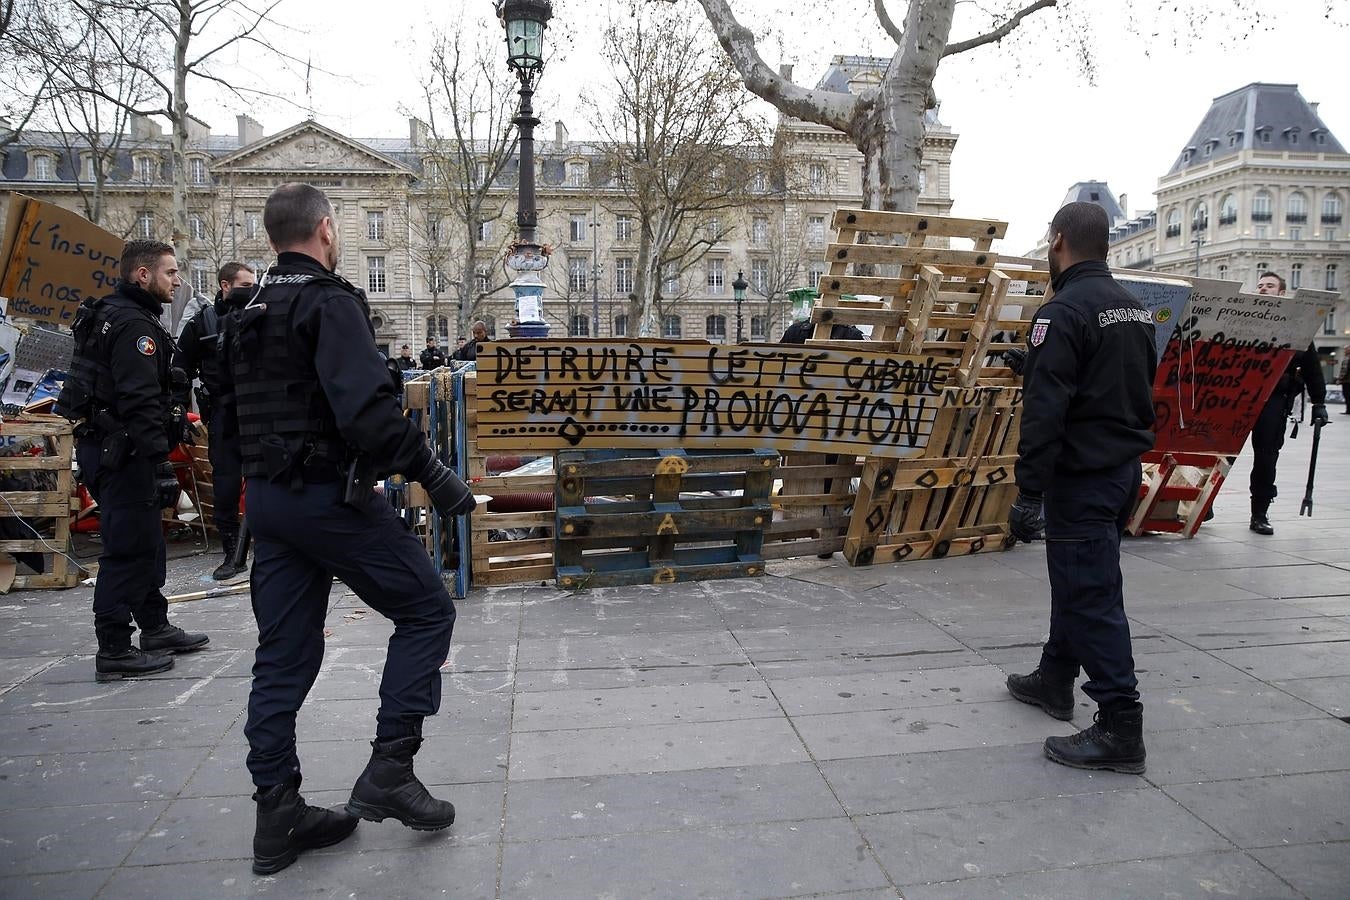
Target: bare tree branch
999 33
887 23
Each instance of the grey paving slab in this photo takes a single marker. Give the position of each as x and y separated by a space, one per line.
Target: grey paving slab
69 838
63 731
1228 636
814 641
674 649
141 694
82 885
1330 694
653 748
1182 612
949 727
1030 835
895 690
1294 809
114 776
772 860
911 781
882 662
667 704
445 871
1303 661
634 676
1245 751
1312 580
1179 708
666 801
13 671
1184 668
1320 871
1201 875
1327 606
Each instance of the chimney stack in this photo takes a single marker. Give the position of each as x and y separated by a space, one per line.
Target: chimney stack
417 132
560 136
1125 206
250 131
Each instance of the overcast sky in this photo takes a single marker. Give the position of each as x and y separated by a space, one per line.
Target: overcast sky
1031 120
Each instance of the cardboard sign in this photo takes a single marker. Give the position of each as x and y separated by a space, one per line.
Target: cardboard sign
55 259
653 394
1165 298
1223 363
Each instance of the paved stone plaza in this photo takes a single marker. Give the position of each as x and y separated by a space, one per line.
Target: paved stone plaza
824 731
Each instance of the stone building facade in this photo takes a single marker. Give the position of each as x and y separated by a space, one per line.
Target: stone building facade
380 191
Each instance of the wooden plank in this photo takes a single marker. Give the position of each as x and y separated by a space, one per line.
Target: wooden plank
660 522
880 221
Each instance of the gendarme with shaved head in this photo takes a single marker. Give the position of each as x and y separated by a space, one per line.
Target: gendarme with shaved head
1087 418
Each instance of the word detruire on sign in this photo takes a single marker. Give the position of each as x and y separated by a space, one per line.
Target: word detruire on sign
652 394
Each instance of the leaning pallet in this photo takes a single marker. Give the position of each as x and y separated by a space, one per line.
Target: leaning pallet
661 517
56 440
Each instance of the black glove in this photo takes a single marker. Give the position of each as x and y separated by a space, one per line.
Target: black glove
1319 414
448 493
1026 521
166 486
1016 360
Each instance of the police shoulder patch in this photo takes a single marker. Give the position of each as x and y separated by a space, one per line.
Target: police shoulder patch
146 344
1039 329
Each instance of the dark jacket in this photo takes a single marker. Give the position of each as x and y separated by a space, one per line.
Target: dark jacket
405 362
198 351
432 358
1304 373
137 350
467 353
1088 402
800 332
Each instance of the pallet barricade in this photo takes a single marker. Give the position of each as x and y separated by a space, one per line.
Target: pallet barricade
660 517
48 508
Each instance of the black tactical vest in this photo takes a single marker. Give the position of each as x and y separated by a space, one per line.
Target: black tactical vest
278 399
89 388
208 341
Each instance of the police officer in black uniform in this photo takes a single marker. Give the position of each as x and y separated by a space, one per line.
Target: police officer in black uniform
119 390
198 355
316 403
1087 418
1304 373
432 357
468 351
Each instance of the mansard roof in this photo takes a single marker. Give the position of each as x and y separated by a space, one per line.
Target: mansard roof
1259 116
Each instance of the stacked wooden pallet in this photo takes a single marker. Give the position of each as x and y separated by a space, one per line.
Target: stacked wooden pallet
47 512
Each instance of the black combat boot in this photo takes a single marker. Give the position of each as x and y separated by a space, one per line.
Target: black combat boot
1115 741
227 569
1260 521
388 789
288 825
173 639
128 662
1055 698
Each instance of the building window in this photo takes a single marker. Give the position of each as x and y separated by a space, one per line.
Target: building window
715 327
816 177
576 228
375 275
815 231
716 275
814 273
1296 276
1296 211
484 231
1200 220
147 168
1174 223
759 182
1330 234
1262 232
197 170
577 269
42 167
1329 323
1223 272
374 225
759 230
201 279
145 225
90 171
252 225
437 281
670 283
1295 233
670 326
196 227
438 327
623 275
480 173
621 325
714 230
576 174
1331 277
435 228
257 266
482 279
1228 212
1331 209
623 228
1261 207
759 275
758 327
579 326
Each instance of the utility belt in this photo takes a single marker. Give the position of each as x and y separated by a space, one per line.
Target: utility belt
114 440
301 460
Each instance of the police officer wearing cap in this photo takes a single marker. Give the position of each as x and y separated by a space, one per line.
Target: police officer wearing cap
198 355
1087 418
119 391
316 403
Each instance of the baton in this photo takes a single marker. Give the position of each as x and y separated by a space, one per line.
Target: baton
241 545
1306 509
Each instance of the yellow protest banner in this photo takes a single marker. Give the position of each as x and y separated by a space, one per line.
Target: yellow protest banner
53 259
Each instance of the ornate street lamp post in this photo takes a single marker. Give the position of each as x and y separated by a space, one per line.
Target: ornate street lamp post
738 291
525 22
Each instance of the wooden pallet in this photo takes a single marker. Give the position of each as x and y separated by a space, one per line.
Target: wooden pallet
811 508
622 519
1173 479
56 504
